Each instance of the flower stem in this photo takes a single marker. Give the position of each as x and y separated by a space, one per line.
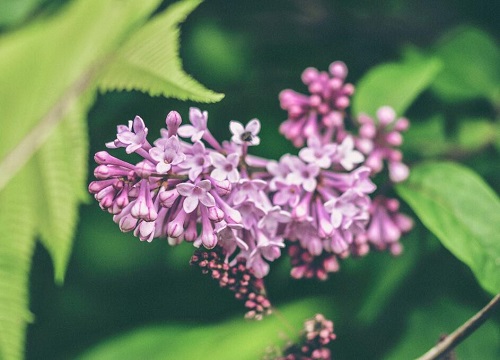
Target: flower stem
462 332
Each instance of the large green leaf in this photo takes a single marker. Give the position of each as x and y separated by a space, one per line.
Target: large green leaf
53 68
426 325
149 61
394 84
471 69
51 63
62 171
234 339
462 211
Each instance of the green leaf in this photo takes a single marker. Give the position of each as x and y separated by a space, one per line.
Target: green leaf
149 61
470 58
462 211
44 55
394 84
39 194
426 325
234 339
17 242
62 173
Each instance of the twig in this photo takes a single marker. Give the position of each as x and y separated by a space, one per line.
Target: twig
462 332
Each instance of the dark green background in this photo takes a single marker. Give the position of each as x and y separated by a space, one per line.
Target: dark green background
251 50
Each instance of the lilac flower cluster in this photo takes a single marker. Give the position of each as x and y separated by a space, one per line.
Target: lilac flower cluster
326 187
180 185
189 187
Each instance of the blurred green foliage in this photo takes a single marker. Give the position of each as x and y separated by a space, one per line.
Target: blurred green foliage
382 307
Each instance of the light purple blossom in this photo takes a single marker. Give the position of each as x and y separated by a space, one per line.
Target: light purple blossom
346 155
198 125
225 167
305 175
245 135
317 153
167 153
195 194
246 208
197 161
132 137
287 194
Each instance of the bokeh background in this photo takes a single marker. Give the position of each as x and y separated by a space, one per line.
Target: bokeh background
251 50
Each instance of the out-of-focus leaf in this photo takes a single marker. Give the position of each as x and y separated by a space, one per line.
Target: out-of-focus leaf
426 325
390 273
234 339
470 60
473 134
12 12
426 138
150 63
462 211
394 84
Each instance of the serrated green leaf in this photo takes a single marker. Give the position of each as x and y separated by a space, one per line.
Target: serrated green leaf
462 211
17 241
470 60
234 339
426 325
394 84
59 59
150 63
61 163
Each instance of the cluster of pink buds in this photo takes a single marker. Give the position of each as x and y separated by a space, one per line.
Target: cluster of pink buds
237 278
313 342
189 187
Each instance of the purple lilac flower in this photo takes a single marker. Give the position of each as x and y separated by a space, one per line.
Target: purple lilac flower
167 153
131 137
189 192
322 112
378 141
386 225
246 208
198 125
245 135
225 167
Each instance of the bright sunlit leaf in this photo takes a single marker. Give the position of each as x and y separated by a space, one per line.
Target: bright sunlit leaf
51 83
149 61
